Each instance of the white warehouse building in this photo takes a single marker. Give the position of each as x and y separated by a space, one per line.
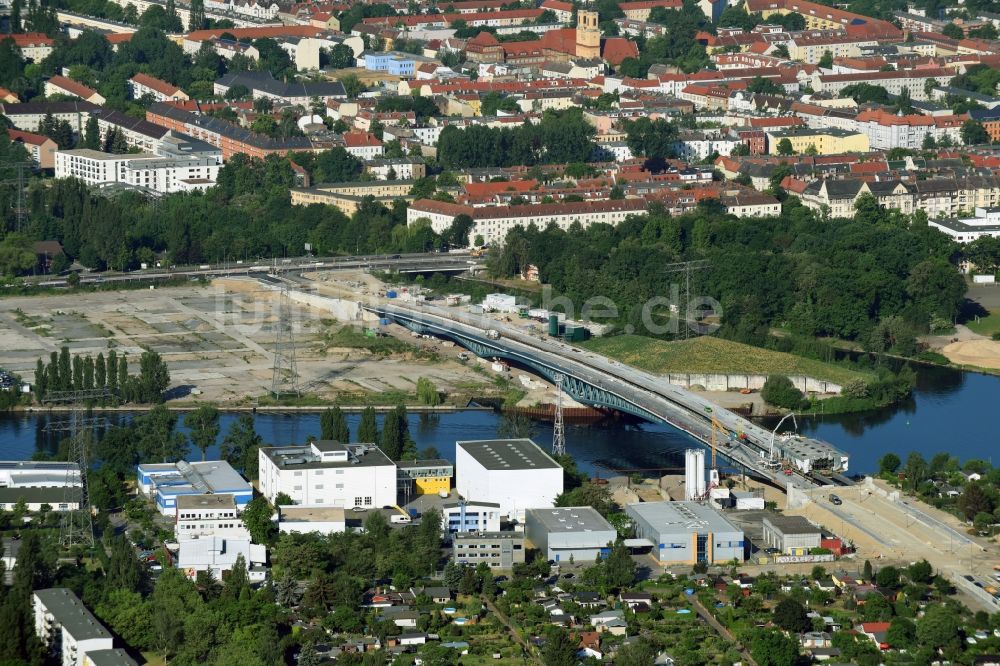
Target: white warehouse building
514 473
579 533
328 473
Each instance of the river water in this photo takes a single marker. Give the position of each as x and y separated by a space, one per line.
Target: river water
949 411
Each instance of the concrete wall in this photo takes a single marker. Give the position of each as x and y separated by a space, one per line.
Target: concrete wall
716 382
342 310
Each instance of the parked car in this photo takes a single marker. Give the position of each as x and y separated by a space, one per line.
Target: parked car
836 500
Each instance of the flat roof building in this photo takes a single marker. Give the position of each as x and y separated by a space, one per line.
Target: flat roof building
304 519
66 627
792 535
687 532
165 482
579 533
500 550
113 657
38 474
425 477
208 515
329 473
514 473
470 516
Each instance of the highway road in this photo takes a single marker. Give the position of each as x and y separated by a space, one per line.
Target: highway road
433 261
669 403
901 531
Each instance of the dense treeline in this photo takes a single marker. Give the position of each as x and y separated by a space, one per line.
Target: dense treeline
560 138
799 272
66 372
248 215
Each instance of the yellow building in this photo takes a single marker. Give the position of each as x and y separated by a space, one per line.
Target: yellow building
424 477
826 141
588 34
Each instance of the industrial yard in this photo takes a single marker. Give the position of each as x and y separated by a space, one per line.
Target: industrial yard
218 341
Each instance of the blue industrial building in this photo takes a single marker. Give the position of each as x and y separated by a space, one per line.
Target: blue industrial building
165 482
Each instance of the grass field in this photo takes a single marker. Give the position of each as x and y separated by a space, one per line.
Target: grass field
715 355
987 325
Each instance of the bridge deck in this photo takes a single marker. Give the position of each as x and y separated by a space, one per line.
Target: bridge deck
609 383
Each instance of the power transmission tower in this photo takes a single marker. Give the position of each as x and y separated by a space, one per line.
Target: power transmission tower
559 428
686 267
76 527
20 204
285 375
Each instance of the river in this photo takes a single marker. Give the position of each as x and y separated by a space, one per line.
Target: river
948 412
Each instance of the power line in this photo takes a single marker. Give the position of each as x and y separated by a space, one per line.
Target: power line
686 267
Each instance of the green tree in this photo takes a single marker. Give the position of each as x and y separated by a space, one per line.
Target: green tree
939 627
784 147
973 133
113 371
124 572
333 425
952 30
240 446
887 577
16 255
559 648
792 616
779 391
203 424
974 500
92 134
920 572
619 567
257 517
427 393
652 139
40 379
826 61
638 653
889 463
88 373
773 648
902 634
154 377
65 370
368 428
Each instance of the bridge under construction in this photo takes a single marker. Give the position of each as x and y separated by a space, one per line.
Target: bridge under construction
598 381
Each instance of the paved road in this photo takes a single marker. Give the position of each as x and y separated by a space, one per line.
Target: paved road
671 404
901 531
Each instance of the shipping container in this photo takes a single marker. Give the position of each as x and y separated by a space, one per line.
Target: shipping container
390 294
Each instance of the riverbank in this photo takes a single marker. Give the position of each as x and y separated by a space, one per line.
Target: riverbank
260 409
706 354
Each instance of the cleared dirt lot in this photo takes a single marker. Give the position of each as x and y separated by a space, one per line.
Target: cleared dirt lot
902 531
218 341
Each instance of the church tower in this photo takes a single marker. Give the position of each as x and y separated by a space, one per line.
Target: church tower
588 34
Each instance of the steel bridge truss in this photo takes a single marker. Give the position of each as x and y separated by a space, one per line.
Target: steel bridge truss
578 389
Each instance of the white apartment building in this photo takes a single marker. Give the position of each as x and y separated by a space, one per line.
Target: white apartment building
513 473
250 8
68 630
208 516
697 146
493 223
894 82
329 473
160 174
